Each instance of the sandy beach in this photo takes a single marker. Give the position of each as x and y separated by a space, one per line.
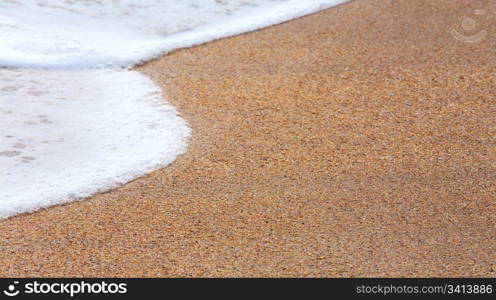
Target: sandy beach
358 141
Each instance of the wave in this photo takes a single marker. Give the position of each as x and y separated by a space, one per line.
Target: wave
75 120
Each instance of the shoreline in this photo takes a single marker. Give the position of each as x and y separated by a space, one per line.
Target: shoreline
356 150
157 155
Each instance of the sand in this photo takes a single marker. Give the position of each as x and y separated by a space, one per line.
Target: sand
359 141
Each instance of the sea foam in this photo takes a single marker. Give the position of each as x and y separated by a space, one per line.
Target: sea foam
84 33
74 120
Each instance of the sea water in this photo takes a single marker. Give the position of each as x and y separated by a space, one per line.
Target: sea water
74 120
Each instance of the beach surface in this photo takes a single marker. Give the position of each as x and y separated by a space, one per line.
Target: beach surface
359 141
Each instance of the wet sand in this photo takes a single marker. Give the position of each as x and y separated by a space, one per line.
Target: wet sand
359 141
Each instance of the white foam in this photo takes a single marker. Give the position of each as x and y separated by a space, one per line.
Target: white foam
69 134
52 33
73 122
